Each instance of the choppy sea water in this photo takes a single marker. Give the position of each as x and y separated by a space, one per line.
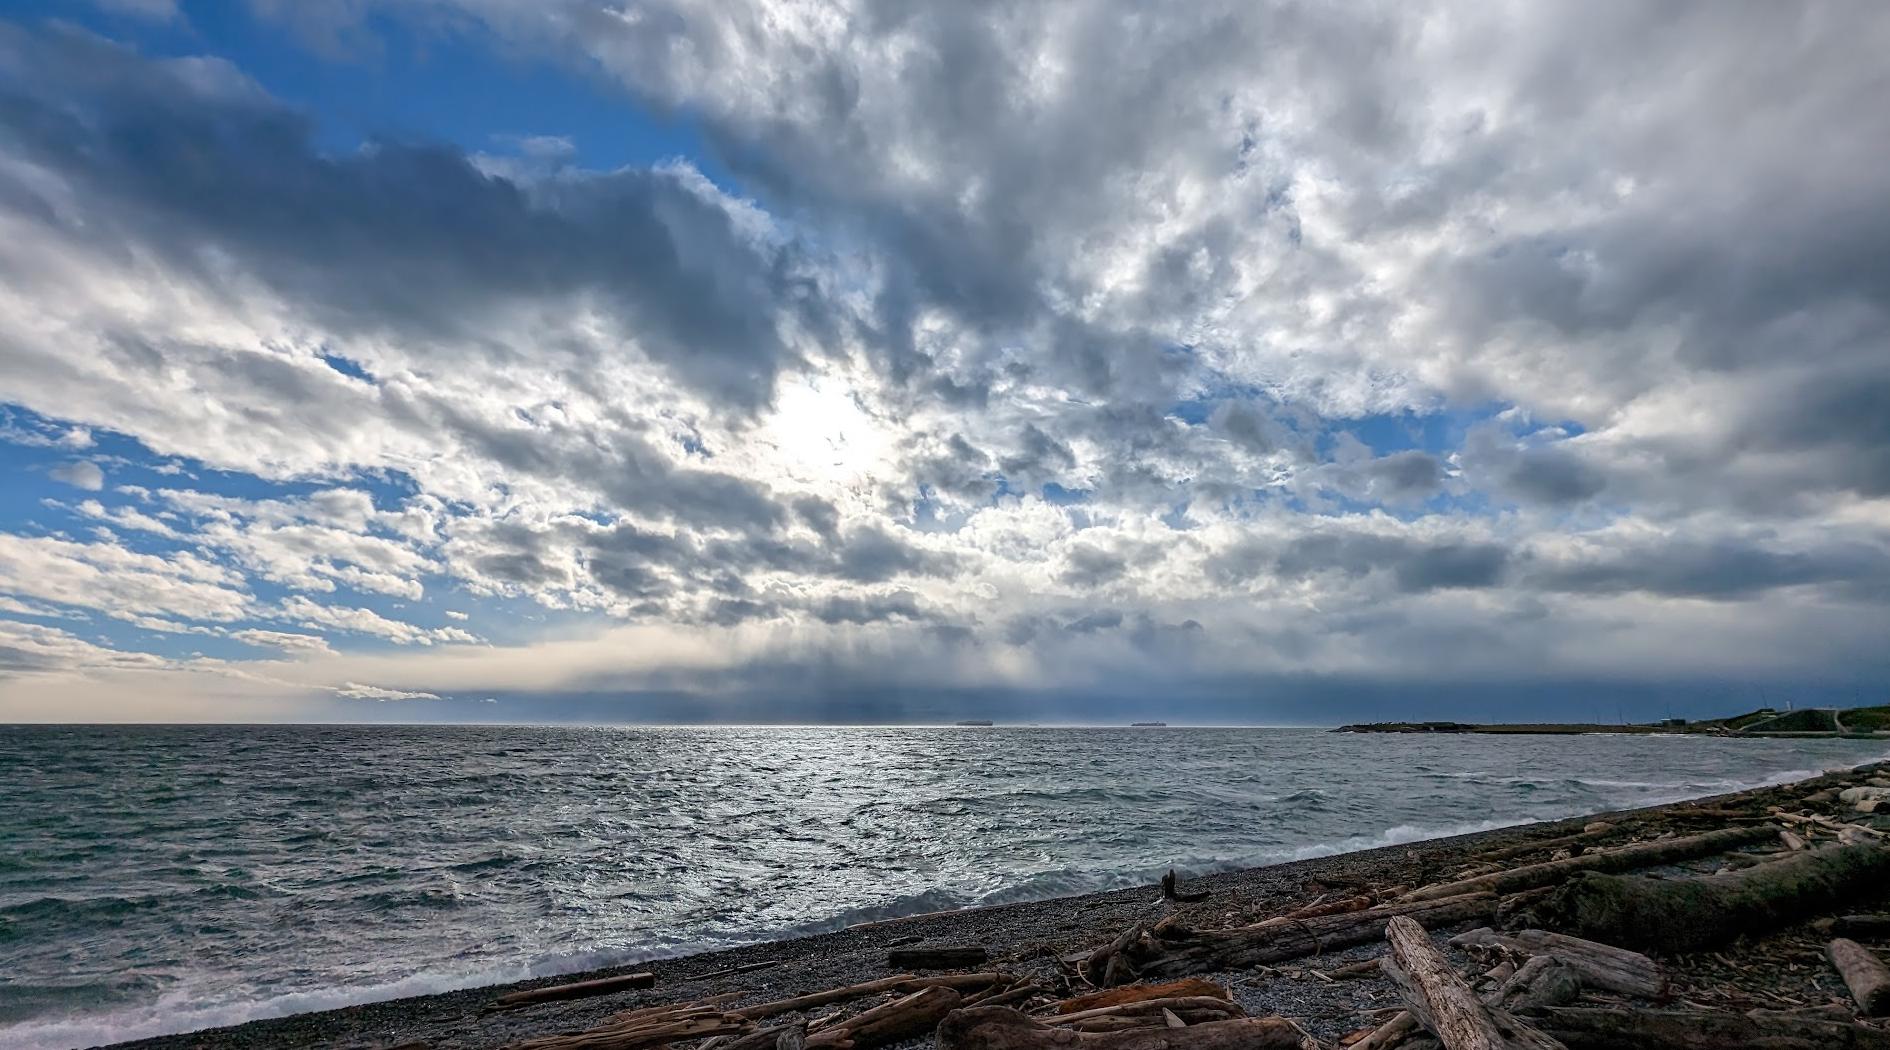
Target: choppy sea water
164 879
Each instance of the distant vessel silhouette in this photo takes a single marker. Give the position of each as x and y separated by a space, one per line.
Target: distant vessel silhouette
1147 725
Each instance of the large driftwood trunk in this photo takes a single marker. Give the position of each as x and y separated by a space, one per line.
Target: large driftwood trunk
998 1028
1606 1028
1625 858
1443 1002
1209 951
1864 974
1542 981
1681 915
1601 966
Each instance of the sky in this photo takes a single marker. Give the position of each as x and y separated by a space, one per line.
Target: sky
1257 362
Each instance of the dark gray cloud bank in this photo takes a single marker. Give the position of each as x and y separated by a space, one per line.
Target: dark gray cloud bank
1284 361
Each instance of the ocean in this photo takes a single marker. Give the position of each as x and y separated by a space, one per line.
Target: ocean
165 879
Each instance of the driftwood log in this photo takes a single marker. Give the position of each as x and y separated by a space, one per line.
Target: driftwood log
1601 966
1319 908
902 983
1389 1034
1680 915
639 1033
1869 927
1104 966
1623 858
1188 987
997 1028
1172 892
1210 951
1443 1002
1541 982
1606 1028
1000 995
780 1037
893 1022
1209 1003
574 990
1864 974
1597 830
937 958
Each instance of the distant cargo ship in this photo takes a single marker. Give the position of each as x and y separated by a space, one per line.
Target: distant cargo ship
1147 725
976 722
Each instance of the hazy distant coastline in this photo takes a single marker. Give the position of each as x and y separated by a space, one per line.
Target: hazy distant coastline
1859 723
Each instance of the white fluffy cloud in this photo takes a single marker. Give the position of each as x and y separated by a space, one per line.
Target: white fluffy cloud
80 473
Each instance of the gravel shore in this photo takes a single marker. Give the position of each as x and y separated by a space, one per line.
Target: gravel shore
1026 938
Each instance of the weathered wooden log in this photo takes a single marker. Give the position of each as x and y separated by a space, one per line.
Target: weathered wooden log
1869 927
635 1036
1600 965
710 1006
1095 968
1361 968
1389 1034
937 958
575 990
1188 987
998 1028
769 1039
1444 1003
890 1023
1150 1006
1172 928
1544 980
904 982
1864 974
1172 892
1211 951
1317 909
1607 1028
1017 993
1679 915
1624 858
1598 830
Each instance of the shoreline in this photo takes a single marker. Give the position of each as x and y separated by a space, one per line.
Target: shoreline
1012 933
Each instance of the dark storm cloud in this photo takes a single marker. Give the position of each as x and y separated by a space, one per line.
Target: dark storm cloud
621 464
193 163
1726 570
1551 476
819 515
1039 457
1405 475
960 470
1413 566
873 555
900 605
1842 418
1091 566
